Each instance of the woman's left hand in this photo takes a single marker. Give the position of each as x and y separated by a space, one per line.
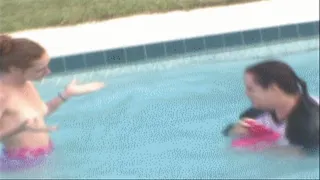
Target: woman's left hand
74 89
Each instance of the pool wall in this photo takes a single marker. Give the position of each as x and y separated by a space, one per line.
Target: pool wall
156 51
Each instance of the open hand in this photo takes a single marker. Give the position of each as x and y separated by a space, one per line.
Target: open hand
74 89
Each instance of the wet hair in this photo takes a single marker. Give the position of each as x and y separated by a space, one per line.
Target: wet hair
303 125
276 72
18 52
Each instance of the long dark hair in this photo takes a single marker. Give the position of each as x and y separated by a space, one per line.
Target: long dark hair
279 73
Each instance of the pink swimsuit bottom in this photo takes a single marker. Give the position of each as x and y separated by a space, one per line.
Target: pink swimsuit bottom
24 158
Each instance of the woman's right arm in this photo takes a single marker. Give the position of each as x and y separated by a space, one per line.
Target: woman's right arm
241 127
237 129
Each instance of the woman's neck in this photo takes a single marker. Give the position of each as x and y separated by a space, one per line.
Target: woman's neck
285 106
11 79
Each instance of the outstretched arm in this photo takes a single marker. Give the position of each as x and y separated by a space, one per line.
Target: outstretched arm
56 102
73 89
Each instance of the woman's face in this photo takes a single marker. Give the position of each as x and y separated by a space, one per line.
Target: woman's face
260 97
39 69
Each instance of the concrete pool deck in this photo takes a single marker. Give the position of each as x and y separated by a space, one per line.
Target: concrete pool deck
158 36
143 29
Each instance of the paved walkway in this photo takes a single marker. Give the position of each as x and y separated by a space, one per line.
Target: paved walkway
174 25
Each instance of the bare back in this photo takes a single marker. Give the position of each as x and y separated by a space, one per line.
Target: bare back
23 103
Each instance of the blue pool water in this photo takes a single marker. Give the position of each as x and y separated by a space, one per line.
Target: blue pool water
164 124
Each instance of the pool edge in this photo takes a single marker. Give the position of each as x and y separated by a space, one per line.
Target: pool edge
163 50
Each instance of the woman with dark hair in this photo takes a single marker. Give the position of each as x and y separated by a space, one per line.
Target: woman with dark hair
281 102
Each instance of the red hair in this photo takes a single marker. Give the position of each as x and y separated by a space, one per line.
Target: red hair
18 52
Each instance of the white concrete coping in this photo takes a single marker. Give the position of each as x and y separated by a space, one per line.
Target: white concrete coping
143 29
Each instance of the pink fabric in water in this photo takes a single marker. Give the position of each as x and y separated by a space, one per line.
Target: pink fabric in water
259 137
24 158
25 153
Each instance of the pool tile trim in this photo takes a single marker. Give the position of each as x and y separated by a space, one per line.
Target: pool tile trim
160 50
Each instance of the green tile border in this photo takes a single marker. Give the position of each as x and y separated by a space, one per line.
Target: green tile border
148 52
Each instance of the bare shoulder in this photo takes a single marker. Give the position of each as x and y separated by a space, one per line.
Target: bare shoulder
30 85
32 88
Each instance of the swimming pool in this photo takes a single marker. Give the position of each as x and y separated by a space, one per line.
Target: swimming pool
163 124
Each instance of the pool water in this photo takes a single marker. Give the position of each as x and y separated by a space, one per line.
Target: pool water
164 124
